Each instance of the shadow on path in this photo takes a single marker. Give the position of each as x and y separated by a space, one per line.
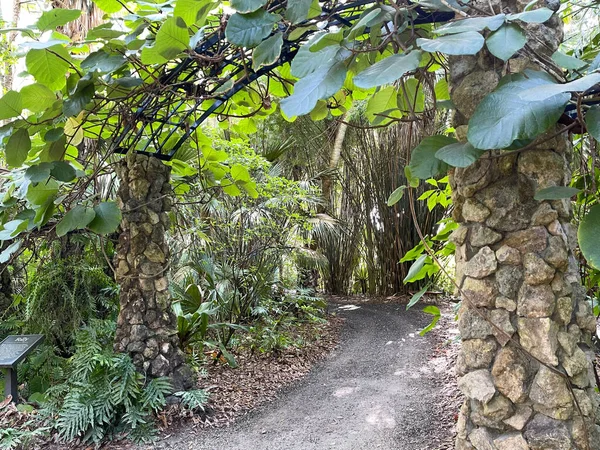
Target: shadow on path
373 392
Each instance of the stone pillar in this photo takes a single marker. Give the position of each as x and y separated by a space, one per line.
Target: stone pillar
515 264
146 327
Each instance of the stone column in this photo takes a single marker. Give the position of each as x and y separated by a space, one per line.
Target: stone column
515 265
146 327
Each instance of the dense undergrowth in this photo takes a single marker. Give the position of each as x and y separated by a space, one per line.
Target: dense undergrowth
234 285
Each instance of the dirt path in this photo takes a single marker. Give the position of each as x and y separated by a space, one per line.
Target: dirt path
378 390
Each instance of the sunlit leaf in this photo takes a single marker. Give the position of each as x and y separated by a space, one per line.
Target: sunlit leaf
267 52
388 70
467 43
17 148
248 30
57 17
589 238
317 86
472 24
49 66
11 105
396 196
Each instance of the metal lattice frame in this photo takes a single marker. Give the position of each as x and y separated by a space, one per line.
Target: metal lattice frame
173 102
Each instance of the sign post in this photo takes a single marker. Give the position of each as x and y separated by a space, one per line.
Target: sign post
13 350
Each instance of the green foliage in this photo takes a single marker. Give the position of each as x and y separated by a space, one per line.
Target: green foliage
588 235
504 116
15 438
103 395
248 30
194 400
506 41
63 295
388 70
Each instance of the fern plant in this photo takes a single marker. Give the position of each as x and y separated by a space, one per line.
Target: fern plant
104 396
194 400
13 438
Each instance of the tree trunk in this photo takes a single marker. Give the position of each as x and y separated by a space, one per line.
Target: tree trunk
334 159
516 268
6 291
146 327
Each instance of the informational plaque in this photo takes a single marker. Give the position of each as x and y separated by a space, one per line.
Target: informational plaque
14 349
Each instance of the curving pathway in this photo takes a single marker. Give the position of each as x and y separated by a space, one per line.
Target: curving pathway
378 390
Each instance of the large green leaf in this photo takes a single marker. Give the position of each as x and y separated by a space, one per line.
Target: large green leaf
172 38
102 62
76 219
383 102
193 12
11 105
8 252
396 196
589 238
248 30
567 61
17 148
506 41
109 6
592 121
388 70
436 313
556 193
306 62
38 173
49 66
550 89
423 163
57 17
467 43
247 6
37 97
39 193
334 38
267 52
416 297
539 15
472 24
297 10
371 18
63 171
460 154
12 229
503 116
318 85
415 271
77 101
107 218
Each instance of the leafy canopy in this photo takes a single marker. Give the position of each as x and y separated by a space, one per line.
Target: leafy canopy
148 77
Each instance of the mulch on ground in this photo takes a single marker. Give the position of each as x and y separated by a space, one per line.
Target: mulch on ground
259 378
441 368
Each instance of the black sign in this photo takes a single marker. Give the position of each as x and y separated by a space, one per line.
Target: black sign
14 349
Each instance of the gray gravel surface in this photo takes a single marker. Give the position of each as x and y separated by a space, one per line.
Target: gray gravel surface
376 391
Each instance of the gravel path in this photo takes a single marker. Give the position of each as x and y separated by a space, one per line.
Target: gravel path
378 390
